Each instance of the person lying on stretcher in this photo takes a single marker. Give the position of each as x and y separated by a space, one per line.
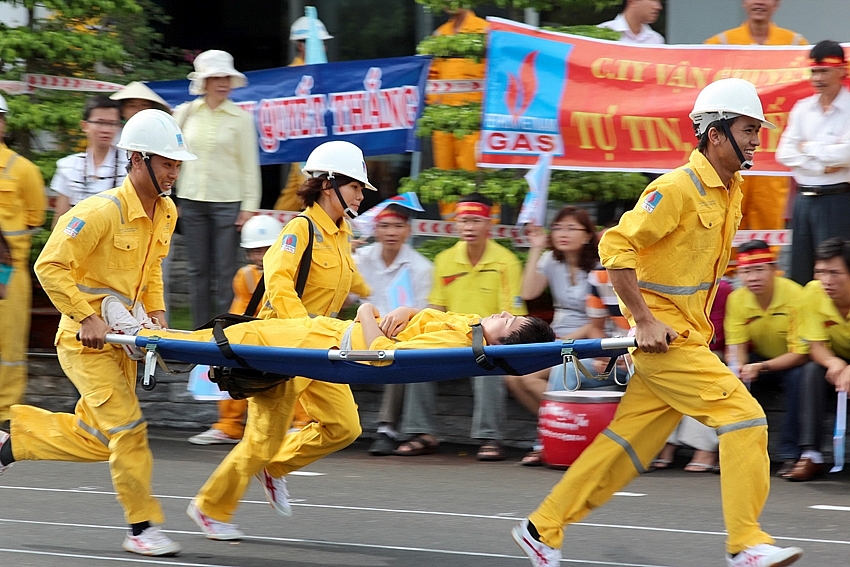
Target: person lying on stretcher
401 328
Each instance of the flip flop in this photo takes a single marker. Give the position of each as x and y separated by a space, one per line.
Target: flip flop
532 459
701 468
491 450
419 445
660 463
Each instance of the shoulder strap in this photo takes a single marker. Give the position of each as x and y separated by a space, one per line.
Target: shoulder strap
224 345
481 358
304 264
256 297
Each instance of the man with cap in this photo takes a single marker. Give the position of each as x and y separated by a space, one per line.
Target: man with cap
137 96
665 258
101 264
399 276
762 345
816 146
22 205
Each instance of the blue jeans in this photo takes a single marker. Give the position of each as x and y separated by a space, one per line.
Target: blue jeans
789 431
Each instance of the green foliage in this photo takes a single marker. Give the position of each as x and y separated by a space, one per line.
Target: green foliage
466 45
508 186
461 120
433 246
587 30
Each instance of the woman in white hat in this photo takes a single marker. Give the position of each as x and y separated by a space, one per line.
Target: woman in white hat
220 190
138 96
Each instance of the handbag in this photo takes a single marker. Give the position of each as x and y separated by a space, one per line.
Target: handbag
242 381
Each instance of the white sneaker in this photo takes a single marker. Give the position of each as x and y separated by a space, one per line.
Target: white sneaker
213 436
764 555
213 529
151 542
121 322
540 554
140 315
276 492
3 437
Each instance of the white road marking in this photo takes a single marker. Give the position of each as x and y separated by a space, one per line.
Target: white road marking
832 508
629 494
170 561
306 473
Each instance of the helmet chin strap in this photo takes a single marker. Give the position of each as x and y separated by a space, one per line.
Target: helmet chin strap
745 163
159 191
345 208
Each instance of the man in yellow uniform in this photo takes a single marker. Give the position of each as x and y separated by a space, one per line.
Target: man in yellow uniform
22 204
761 337
765 196
104 259
665 258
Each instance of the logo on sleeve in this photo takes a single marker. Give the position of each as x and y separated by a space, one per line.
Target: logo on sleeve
652 201
288 243
74 227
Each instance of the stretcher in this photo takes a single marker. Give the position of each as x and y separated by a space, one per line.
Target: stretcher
357 366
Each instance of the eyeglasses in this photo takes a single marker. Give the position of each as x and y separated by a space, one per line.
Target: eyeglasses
110 124
568 228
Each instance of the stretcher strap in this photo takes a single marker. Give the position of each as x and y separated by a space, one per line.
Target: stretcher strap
224 345
481 358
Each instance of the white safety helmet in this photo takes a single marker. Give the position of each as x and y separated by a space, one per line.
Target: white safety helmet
260 231
726 98
4 107
300 29
338 157
154 132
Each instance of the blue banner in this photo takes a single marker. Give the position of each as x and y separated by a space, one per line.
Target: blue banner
374 104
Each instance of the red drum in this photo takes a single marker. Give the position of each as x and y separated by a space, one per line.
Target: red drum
569 421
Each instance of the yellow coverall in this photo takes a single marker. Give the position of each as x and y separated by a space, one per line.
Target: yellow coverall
22 204
765 196
105 245
678 239
336 422
271 412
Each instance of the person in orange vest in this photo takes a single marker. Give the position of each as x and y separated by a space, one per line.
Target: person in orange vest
764 196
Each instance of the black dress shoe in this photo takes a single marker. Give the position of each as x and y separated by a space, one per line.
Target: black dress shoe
382 446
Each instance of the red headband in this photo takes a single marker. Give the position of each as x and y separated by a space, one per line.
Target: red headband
387 214
757 256
472 208
832 61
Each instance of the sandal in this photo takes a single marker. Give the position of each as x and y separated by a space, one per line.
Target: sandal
491 450
660 463
419 445
701 467
533 459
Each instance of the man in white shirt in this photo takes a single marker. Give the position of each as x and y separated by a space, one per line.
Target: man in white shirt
398 275
633 22
816 146
101 167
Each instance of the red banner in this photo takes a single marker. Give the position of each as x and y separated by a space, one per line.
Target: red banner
601 105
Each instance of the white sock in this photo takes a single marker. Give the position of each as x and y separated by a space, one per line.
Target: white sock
815 456
388 430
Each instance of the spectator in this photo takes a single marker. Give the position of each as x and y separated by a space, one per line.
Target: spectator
633 22
816 146
761 324
22 205
826 329
475 275
5 265
219 191
288 199
399 276
101 167
765 196
138 96
258 234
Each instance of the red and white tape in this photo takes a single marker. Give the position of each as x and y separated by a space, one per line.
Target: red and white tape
772 237
53 82
454 86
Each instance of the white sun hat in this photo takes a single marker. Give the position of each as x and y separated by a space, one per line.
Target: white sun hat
137 89
214 63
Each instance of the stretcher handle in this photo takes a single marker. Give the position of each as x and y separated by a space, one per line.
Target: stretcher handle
116 339
361 355
617 343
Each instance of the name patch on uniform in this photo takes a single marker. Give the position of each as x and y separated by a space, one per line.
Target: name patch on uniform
74 227
652 201
288 243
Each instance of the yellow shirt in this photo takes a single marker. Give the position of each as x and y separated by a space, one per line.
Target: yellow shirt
106 245
244 283
770 331
491 286
228 166
458 68
333 273
742 36
820 320
678 240
22 202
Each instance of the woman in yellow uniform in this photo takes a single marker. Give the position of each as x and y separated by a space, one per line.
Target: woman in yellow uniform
334 189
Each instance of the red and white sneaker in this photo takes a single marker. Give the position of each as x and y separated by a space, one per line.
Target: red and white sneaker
213 529
276 492
123 322
764 555
540 554
3 437
151 542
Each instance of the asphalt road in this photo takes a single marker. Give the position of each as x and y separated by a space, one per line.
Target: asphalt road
354 510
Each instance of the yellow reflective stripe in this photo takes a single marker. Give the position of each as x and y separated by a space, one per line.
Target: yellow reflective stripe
24 232
106 291
758 422
675 289
129 426
696 180
93 432
630 451
115 200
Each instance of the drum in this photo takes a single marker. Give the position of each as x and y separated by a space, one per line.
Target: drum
569 421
